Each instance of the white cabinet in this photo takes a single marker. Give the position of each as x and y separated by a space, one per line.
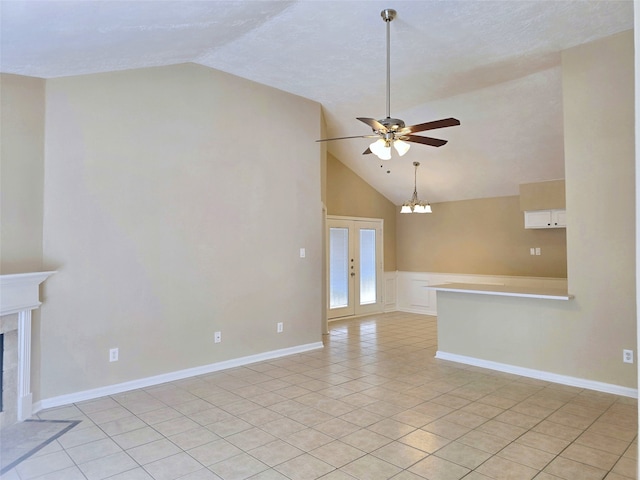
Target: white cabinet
545 219
559 218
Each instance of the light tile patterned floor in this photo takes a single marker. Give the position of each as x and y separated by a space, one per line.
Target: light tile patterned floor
373 404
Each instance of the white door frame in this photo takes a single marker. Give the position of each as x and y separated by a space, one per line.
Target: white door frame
355 308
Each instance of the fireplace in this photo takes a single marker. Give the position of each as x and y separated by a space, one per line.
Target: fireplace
9 331
20 296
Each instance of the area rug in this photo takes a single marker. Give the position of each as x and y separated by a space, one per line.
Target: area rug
18 442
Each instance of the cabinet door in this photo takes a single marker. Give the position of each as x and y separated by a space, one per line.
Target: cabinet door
559 218
537 219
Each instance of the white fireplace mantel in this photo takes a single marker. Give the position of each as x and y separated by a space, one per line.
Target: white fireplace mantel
20 293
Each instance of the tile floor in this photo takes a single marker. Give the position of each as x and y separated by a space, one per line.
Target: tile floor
373 404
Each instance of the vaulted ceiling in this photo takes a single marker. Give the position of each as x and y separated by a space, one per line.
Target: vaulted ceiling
493 64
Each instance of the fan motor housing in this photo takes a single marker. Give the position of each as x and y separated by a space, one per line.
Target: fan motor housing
392 124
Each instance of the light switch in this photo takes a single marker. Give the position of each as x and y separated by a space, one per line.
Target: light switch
538 251
303 253
532 251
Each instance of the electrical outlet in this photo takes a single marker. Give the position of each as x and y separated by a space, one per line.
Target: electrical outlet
627 356
217 337
279 327
113 355
538 252
532 251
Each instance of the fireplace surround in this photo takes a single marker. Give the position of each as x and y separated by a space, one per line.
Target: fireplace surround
19 296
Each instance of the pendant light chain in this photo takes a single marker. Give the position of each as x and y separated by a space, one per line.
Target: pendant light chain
414 199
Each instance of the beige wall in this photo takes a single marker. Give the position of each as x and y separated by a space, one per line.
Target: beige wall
598 86
350 196
143 222
172 213
583 337
21 173
22 105
549 195
483 236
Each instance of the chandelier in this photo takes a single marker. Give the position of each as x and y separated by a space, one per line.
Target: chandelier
414 205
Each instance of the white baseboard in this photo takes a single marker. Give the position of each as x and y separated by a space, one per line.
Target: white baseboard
421 311
540 375
169 377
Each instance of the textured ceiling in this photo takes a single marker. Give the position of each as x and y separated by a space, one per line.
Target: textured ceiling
494 65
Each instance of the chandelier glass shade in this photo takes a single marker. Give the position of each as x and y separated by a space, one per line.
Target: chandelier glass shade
415 205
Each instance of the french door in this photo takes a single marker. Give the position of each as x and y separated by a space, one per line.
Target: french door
355 266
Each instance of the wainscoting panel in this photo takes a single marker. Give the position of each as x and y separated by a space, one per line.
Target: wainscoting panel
390 302
413 296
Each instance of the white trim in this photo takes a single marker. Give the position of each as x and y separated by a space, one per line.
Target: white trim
20 291
169 377
540 375
21 294
356 219
354 307
413 299
390 286
25 398
503 290
419 311
351 317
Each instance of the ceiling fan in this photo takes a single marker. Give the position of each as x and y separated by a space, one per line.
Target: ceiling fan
392 131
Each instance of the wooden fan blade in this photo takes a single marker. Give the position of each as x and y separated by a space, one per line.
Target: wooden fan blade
367 151
421 127
434 142
373 123
343 138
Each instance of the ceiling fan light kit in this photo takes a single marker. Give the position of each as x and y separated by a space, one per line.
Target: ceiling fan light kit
392 131
381 148
415 205
401 147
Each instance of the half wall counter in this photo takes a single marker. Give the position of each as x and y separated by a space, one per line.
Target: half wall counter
512 329
504 290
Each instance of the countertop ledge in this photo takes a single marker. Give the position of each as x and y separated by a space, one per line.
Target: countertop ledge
503 290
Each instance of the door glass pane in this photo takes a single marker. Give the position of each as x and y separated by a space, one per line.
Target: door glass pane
367 266
338 267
